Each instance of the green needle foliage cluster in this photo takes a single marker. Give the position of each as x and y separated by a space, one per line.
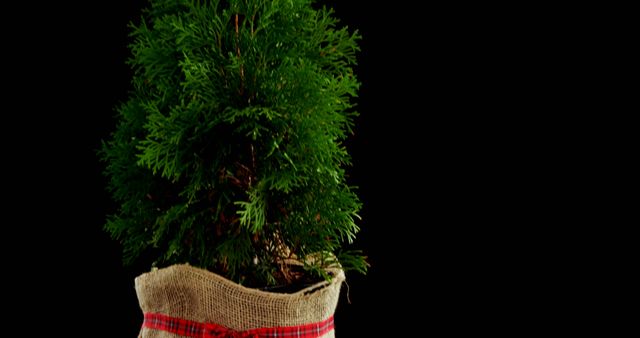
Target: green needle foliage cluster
228 153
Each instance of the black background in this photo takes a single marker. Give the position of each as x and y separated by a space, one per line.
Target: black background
428 154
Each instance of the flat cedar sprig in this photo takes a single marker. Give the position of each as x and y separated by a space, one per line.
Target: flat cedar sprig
228 153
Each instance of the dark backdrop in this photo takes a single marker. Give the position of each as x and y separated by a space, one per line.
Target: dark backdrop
423 155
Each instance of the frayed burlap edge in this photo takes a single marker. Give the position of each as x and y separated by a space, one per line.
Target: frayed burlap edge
195 294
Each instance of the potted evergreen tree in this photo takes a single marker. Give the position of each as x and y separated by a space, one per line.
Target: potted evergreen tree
227 165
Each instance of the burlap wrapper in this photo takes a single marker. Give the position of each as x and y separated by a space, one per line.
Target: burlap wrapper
195 294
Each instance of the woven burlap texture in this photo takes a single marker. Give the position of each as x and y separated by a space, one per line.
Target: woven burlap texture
195 294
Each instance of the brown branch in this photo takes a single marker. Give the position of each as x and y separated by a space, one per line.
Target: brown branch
253 162
237 26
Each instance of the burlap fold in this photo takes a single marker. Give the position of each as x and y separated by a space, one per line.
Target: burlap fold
194 294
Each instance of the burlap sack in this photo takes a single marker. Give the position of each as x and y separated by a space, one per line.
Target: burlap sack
193 294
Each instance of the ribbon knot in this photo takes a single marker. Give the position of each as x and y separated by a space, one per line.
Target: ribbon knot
218 331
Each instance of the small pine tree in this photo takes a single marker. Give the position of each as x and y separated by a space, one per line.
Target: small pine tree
228 153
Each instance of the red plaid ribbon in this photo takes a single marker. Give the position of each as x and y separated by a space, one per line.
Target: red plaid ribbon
188 328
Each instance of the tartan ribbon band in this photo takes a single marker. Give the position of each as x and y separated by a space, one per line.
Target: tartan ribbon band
188 328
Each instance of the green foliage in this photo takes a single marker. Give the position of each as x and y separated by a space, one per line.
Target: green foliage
228 153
